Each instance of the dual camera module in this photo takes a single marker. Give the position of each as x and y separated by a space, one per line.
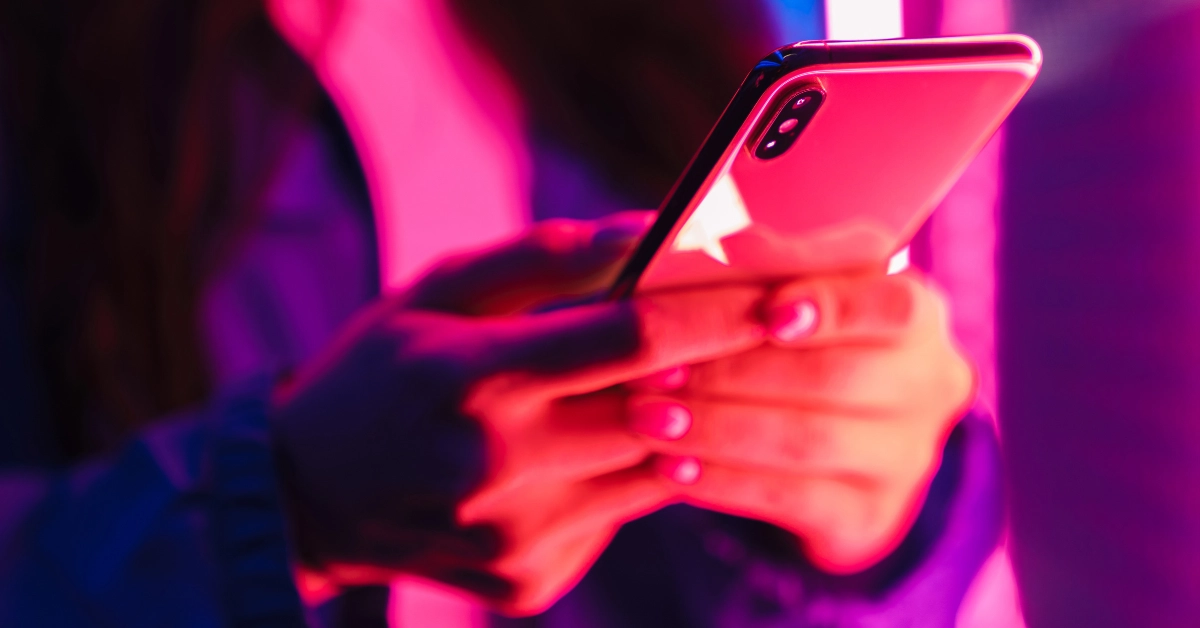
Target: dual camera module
797 111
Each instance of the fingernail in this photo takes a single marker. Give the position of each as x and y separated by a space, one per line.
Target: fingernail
663 420
623 231
673 378
793 322
680 469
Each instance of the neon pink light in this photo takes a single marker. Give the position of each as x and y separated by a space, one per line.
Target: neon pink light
963 245
442 146
420 604
992 601
439 131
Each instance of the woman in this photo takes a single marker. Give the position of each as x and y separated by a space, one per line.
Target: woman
449 431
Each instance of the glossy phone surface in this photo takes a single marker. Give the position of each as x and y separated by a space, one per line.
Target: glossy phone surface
830 157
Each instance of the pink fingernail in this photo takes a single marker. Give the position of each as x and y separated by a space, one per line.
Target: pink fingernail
680 469
789 323
663 420
670 379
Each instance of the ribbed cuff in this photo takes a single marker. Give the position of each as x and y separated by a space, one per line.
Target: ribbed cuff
249 529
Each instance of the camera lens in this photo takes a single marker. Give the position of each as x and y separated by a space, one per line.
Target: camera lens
789 120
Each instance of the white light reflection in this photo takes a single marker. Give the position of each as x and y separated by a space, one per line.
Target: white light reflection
722 213
864 19
899 262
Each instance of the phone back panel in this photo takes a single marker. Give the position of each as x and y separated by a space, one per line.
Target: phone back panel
899 122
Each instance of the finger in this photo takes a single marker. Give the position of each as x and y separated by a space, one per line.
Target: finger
556 532
588 348
554 259
869 309
846 524
672 378
595 507
784 439
575 439
845 380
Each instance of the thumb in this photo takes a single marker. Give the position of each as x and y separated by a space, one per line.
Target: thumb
588 348
553 260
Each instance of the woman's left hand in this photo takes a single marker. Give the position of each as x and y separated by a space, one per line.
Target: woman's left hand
833 430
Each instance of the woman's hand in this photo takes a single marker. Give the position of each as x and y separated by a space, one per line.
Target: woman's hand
452 434
832 430
492 452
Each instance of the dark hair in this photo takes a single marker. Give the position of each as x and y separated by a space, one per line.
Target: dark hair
633 86
119 117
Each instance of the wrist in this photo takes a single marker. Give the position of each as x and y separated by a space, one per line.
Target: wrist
249 523
310 576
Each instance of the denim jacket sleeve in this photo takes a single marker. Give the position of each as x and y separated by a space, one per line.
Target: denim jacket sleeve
181 527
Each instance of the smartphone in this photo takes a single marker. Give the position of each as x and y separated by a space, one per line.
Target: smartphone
829 157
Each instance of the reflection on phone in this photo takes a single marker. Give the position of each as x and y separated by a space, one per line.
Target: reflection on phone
722 213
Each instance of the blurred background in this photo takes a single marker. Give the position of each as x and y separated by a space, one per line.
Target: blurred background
1068 249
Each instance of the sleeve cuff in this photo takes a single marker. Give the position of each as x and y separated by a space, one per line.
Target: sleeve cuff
248 525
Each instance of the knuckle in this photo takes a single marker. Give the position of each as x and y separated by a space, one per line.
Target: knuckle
895 300
533 595
935 307
709 375
439 372
830 373
956 385
964 379
802 442
450 266
434 286
561 248
887 525
920 468
558 236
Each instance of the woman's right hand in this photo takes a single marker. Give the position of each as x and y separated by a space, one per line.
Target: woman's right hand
453 434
